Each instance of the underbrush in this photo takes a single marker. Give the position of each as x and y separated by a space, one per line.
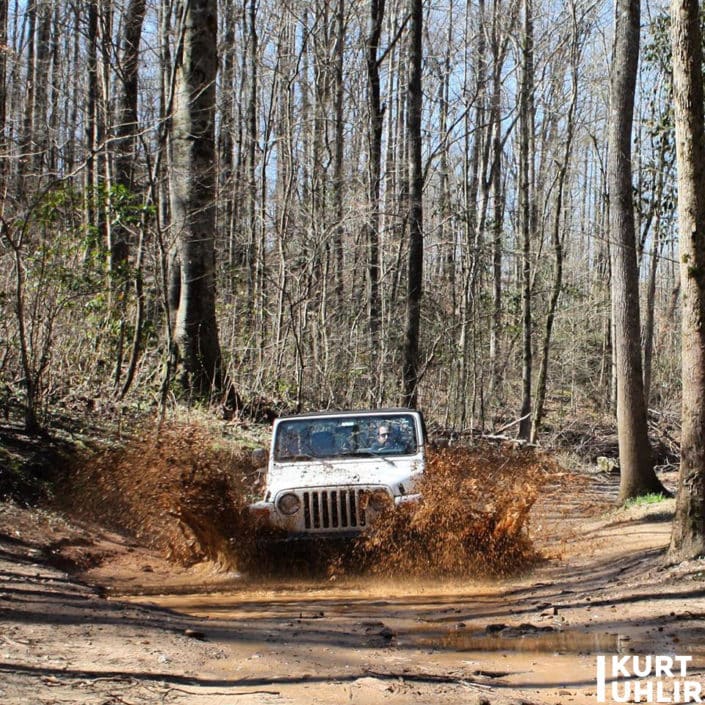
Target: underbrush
29 466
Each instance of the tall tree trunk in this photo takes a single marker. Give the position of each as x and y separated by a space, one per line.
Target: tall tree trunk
125 159
192 199
415 270
556 235
339 153
496 126
651 306
99 39
92 113
636 463
688 535
3 95
376 116
446 234
76 89
127 125
251 161
28 119
664 174
526 125
226 133
39 138
285 176
470 231
105 117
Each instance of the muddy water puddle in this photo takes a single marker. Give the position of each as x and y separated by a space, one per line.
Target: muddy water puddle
477 638
549 642
421 618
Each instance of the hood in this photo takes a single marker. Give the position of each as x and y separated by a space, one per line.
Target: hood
353 471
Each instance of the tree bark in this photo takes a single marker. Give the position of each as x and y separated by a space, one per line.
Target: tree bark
250 140
497 225
556 235
3 93
526 194
376 117
125 159
39 137
127 126
339 152
415 264
192 200
688 535
637 476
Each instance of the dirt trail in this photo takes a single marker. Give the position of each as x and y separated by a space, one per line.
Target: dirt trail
532 639
200 637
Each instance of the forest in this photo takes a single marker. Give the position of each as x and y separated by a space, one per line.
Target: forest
217 212
281 206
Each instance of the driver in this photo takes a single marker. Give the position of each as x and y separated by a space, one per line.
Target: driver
384 438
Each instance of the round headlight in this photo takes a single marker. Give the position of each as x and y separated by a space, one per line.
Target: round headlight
288 503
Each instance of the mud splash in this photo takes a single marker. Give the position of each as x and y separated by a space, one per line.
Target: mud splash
186 494
181 493
473 518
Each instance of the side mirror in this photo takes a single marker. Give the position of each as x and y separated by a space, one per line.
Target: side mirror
259 457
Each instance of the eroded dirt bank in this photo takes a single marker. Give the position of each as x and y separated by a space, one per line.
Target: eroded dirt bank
154 632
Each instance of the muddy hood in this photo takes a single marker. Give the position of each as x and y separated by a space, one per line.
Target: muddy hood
334 473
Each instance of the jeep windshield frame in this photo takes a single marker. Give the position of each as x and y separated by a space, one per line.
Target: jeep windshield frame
306 439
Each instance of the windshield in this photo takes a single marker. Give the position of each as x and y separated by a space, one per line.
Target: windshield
361 436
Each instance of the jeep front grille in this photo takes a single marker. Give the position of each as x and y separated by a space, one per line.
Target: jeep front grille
333 509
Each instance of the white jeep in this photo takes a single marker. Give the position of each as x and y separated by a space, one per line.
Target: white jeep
331 473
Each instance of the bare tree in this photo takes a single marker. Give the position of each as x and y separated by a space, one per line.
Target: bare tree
526 195
127 129
192 199
415 272
688 535
498 47
557 237
3 95
376 117
636 463
339 150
